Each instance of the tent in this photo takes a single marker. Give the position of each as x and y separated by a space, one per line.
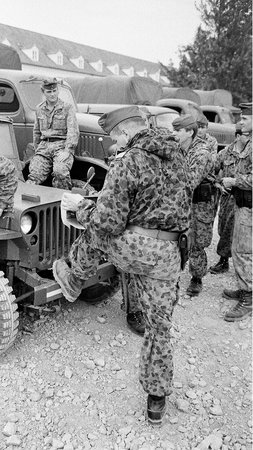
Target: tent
9 58
184 93
217 97
115 89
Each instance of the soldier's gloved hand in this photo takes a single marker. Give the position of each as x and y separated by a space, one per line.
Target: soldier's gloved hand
70 202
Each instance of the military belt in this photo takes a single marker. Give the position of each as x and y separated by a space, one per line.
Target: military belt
54 139
155 234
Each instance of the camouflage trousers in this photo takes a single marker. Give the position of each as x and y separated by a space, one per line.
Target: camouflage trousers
242 247
201 237
154 266
226 225
51 157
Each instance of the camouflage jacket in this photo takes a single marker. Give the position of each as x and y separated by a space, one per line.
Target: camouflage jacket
212 145
200 162
8 183
60 122
226 161
147 185
243 168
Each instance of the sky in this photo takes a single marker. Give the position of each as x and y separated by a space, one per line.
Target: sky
153 30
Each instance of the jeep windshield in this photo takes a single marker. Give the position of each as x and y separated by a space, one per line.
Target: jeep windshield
34 96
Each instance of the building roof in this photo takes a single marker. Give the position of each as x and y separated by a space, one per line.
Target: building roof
48 47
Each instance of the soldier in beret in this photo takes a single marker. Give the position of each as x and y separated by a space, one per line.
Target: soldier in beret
201 168
210 141
241 188
225 167
8 185
140 212
55 137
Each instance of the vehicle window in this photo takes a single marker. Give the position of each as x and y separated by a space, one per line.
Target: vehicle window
165 120
8 99
5 136
212 116
34 95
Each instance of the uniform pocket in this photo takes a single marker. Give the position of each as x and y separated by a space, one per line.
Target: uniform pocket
242 237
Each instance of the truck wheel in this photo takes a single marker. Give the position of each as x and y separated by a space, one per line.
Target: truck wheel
8 314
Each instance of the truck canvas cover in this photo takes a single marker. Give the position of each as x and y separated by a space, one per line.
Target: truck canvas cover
184 93
115 89
9 58
217 97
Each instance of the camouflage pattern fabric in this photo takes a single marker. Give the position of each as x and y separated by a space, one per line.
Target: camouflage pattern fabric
8 184
242 237
147 186
212 145
225 162
54 156
201 168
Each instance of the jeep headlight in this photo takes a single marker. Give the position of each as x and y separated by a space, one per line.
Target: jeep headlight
26 223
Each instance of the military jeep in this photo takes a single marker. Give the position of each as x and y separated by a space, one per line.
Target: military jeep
31 239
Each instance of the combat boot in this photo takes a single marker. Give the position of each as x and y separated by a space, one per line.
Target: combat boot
156 409
222 266
232 295
242 309
136 322
195 287
70 285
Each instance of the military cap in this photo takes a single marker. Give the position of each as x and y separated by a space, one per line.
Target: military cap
246 109
202 120
110 120
184 121
49 83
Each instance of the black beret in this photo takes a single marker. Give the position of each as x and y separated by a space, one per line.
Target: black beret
49 83
246 109
184 121
110 120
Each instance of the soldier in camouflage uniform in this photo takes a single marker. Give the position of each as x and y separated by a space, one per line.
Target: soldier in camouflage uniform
136 222
241 185
225 167
8 185
201 169
55 137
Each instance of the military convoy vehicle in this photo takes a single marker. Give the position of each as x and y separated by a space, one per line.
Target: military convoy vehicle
31 239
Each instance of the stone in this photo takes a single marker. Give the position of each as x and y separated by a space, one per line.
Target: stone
216 410
14 440
9 429
182 405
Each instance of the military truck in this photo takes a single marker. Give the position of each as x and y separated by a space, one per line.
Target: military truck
223 132
20 93
30 241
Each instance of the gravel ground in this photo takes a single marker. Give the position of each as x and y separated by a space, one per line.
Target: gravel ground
72 383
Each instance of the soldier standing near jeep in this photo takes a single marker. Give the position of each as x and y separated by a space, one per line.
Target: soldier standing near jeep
137 222
55 137
8 185
201 169
241 186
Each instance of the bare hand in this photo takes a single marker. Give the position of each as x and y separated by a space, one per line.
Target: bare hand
70 202
1 211
228 182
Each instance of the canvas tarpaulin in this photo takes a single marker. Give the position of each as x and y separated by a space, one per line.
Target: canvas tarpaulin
184 93
218 97
115 89
9 58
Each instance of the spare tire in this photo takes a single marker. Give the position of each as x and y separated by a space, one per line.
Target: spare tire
9 316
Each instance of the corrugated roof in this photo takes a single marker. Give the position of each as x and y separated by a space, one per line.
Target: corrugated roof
21 39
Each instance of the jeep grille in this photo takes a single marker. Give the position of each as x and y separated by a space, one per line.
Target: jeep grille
55 238
88 145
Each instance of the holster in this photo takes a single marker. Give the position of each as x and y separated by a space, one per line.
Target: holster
184 246
203 192
243 198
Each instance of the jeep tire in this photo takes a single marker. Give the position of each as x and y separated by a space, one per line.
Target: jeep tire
9 317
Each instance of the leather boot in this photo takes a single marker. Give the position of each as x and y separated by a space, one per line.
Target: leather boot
136 322
232 295
242 309
156 408
70 285
195 287
220 267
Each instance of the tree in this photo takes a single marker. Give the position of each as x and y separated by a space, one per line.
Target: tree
220 56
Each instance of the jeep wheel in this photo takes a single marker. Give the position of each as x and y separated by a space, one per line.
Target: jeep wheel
8 314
